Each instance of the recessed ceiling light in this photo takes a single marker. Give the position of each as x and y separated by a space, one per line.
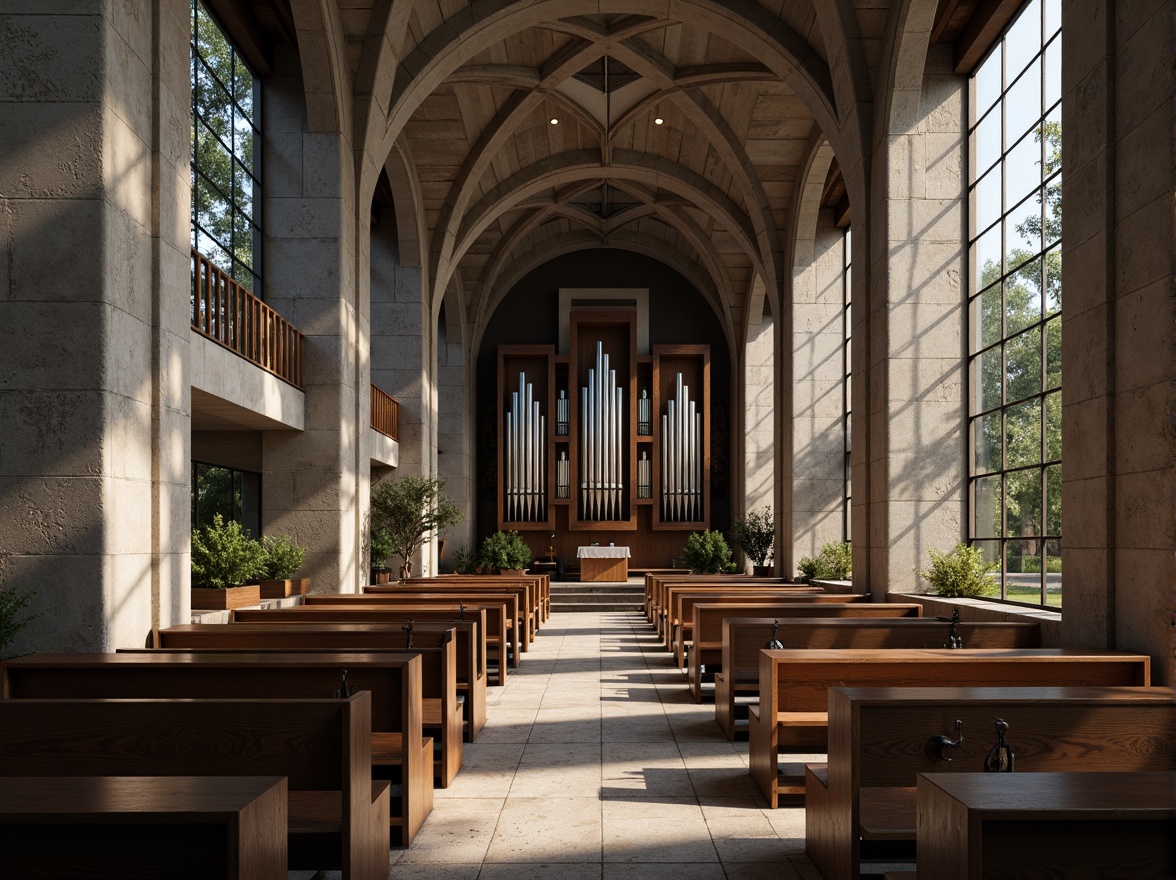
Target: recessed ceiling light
554 121
658 120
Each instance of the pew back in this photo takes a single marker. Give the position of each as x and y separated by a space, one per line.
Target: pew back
320 746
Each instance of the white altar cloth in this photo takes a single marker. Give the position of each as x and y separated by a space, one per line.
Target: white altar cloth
603 553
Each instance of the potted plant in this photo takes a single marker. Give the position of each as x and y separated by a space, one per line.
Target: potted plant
224 562
961 573
465 561
833 563
12 603
755 533
411 509
382 549
282 559
707 553
505 553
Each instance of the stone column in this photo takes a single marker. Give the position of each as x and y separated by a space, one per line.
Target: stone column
1118 359
455 429
402 351
313 478
94 321
818 438
916 318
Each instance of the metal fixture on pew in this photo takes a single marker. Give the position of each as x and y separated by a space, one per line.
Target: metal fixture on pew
461 611
953 637
1000 756
942 742
408 629
344 687
775 644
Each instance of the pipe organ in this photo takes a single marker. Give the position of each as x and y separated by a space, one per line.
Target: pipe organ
603 437
526 459
602 446
681 457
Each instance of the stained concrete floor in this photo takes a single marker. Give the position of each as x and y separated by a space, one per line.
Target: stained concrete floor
595 763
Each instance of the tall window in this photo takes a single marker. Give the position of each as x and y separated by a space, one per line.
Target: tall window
234 494
226 150
847 384
1015 298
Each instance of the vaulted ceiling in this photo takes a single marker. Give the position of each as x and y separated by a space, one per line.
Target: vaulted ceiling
516 132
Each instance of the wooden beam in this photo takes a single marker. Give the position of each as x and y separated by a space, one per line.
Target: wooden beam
982 31
943 18
841 217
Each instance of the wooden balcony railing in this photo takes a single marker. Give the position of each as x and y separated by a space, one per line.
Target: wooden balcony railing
385 413
230 315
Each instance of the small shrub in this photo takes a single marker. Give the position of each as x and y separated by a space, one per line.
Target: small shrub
465 561
224 556
282 557
707 552
754 533
961 573
383 547
834 562
505 550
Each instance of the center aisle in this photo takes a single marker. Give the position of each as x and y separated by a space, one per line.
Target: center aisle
595 763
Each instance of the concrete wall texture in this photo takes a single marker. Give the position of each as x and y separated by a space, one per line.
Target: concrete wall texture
96 355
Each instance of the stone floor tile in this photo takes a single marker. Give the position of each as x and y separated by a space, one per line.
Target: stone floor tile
548 829
681 841
539 871
659 871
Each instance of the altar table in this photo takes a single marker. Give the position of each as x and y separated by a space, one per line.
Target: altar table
603 563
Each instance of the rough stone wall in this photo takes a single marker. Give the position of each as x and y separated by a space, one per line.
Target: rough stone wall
759 397
1118 357
313 479
818 439
93 306
917 314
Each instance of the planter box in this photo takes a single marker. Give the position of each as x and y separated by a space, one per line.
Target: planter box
381 576
282 589
762 571
207 599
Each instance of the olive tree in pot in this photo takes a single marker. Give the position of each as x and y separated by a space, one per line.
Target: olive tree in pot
755 534
411 509
505 553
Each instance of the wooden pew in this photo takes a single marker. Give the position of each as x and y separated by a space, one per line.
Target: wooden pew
337 816
527 590
794 686
399 750
880 741
654 581
225 827
1083 826
685 596
469 638
668 618
497 619
441 715
682 628
706 648
738 684
541 581
512 600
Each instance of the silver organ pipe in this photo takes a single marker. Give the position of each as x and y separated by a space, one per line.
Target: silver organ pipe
681 457
526 456
601 445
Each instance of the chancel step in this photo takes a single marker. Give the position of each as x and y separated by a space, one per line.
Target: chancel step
597 597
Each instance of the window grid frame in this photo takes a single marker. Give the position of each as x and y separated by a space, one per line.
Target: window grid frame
847 384
248 274
1041 325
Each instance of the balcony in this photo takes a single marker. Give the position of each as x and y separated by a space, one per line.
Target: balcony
385 413
229 315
